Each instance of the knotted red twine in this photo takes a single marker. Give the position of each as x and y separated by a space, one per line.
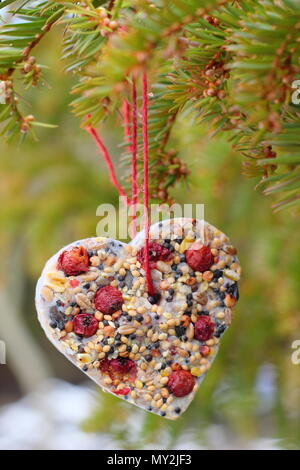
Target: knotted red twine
130 128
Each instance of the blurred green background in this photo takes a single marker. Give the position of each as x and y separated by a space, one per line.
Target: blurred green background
50 190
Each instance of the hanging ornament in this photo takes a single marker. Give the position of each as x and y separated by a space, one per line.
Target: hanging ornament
143 320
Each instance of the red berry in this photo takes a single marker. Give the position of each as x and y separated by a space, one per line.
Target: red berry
122 365
122 391
204 350
181 383
108 299
74 261
199 259
204 328
104 365
85 324
156 253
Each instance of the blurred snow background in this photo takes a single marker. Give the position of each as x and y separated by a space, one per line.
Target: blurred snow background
51 418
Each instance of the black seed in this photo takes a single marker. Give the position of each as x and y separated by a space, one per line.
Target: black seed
168 241
118 336
58 303
139 318
217 273
163 366
182 258
129 279
73 304
133 336
156 344
188 313
85 368
105 340
164 400
149 408
129 348
220 330
234 290
112 349
105 322
177 410
154 299
169 299
171 291
162 413
179 330
148 357
118 343
190 303
58 317
178 240
53 324
169 363
121 278
174 267
204 312
189 297
87 285
157 317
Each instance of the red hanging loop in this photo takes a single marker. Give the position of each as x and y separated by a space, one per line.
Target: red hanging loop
134 159
146 182
127 130
133 148
92 131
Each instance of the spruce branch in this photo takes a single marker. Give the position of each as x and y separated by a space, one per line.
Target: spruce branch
230 64
17 41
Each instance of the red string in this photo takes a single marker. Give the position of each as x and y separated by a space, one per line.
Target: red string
133 148
126 112
134 159
92 131
146 182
